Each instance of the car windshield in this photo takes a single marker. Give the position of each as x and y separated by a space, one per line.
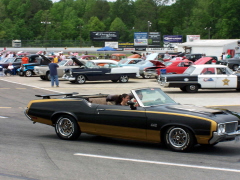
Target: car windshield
189 70
90 64
65 63
237 55
123 61
152 97
10 60
168 63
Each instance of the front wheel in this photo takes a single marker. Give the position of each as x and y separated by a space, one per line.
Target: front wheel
235 67
48 77
67 128
179 139
80 79
28 73
123 79
192 88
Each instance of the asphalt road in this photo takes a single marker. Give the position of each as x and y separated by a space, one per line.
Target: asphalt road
33 151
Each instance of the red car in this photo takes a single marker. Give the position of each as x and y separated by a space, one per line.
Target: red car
173 66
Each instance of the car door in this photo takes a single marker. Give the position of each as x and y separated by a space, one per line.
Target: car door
121 121
207 78
225 79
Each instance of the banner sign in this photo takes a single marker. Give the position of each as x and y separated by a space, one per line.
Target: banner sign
112 44
140 39
126 45
104 36
140 49
191 38
154 38
172 39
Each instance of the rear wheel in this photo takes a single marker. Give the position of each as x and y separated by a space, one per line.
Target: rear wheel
48 77
28 73
179 139
123 79
80 79
192 88
67 128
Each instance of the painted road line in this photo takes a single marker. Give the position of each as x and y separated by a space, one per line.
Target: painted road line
159 163
3 117
31 86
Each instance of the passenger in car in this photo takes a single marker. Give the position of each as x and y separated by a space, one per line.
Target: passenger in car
123 99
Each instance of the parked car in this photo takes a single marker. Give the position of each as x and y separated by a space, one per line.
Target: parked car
44 72
156 119
118 56
207 60
233 63
16 62
193 57
87 57
202 77
34 60
89 71
173 67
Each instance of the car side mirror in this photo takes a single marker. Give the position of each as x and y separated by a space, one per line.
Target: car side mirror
131 104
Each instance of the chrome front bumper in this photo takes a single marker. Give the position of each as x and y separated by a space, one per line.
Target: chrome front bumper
149 73
225 137
70 78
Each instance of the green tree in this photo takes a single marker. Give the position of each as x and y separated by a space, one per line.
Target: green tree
118 25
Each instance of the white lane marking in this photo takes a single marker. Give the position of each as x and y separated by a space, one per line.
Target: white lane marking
31 86
158 162
3 117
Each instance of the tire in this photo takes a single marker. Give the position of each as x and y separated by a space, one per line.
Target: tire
80 79
114 81
192 88
179 139
123 79
43 77
235 67
183 89
28 73
146 77
48 77
67 128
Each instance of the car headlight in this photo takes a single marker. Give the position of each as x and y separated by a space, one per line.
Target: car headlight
221 128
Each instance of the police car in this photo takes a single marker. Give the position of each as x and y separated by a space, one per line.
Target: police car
202 77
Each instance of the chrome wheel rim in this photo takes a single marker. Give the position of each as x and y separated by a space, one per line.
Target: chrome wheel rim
65 127
81 79
124 78
192 87
28 73
178 137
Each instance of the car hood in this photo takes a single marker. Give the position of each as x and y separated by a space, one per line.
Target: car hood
157 63
77 61
152 56
202 60
190 110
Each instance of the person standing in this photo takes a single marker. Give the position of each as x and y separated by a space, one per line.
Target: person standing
25 59
53 73
55 59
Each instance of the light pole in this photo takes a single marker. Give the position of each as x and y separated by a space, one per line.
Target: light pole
149 25
209 29
45 37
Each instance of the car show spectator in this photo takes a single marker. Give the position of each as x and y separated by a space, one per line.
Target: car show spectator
9 69
55 59
53 73
25 59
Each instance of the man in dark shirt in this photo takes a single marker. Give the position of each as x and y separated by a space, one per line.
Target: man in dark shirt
53 73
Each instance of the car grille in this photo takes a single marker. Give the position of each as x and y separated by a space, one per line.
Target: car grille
151 70
231 127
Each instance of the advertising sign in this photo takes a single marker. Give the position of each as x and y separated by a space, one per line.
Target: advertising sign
140 39
172 39
191 38
104 36
126 45
112 44
154 38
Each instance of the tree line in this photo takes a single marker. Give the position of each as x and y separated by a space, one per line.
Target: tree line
74 19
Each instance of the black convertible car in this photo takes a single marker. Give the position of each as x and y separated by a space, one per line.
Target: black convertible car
151 116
